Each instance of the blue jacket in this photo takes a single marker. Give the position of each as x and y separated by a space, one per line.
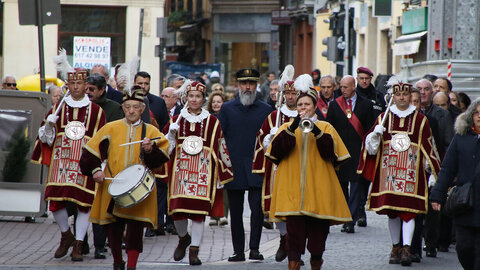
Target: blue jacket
461 161
240 125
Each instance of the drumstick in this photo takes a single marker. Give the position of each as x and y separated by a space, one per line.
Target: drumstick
156 138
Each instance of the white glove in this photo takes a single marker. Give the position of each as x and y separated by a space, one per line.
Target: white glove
273 131
52 119
372 143
173 128
379 130
431 181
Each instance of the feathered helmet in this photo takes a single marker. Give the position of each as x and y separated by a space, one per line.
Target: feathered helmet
181 92
286 79
395 85
136 93
67 72
304 85
125 74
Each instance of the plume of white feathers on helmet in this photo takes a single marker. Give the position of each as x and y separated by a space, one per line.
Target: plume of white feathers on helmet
126 74
61 64
181 92
287 75
391 82
303 83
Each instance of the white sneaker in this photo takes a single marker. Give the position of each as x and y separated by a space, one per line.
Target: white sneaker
223 221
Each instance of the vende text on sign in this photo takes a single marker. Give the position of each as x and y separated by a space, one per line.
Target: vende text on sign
91 51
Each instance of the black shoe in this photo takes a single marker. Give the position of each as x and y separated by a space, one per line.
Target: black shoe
160 231
149 233
267 225
99 254
169 228
362 222
415 258
30 219
237 257
442 249
348 227
431 252
255 255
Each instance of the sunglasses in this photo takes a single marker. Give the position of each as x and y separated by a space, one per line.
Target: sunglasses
11 84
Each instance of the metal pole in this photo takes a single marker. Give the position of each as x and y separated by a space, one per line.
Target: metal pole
161 60
140 34
346 56
38 5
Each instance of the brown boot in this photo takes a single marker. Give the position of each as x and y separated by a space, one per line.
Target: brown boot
65 243
281 252
406 257
77 251
316 264
183 243
396 254
119 266
193 256
293 265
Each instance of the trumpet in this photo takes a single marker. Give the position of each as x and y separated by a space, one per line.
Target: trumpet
306 125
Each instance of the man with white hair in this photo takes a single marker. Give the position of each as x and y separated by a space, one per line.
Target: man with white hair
9 82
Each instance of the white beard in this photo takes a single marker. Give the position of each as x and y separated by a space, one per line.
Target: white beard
247 99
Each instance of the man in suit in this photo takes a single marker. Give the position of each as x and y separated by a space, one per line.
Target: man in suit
171 100
351 115
112 94
326 95
241 119
157 104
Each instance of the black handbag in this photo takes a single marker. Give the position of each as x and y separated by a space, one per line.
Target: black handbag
460 200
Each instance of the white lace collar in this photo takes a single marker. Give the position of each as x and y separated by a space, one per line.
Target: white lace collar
286 111
411 109
77 103
194 118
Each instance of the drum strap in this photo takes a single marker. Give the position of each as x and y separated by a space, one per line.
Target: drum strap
141 137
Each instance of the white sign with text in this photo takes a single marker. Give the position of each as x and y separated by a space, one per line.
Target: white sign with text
90 51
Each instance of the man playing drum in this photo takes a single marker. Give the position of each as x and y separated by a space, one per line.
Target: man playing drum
105 145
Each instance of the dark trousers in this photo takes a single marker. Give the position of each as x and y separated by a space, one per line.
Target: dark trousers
358 190
445 234
235 201
99 236
133 237
468 247
416 247
162 190
432 227
301 228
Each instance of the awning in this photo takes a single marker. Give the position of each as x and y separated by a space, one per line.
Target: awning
408 44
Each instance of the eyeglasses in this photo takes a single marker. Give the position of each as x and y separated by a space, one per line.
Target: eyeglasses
218 89
476 113
11 84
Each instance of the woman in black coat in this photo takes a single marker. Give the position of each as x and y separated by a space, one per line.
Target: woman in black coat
463 162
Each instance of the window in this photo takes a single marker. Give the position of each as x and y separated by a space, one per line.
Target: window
97 22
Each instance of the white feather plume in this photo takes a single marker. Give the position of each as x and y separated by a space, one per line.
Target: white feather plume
180 92
287 75
303 83
126 74
61 63
391 82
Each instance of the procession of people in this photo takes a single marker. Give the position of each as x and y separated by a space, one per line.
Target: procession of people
330 149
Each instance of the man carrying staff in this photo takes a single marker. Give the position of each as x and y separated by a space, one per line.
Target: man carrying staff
397 157
66 128
105 145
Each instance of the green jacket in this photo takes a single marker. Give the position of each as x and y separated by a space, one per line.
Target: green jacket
113 110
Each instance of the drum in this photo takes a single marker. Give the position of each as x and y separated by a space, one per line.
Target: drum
132 185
